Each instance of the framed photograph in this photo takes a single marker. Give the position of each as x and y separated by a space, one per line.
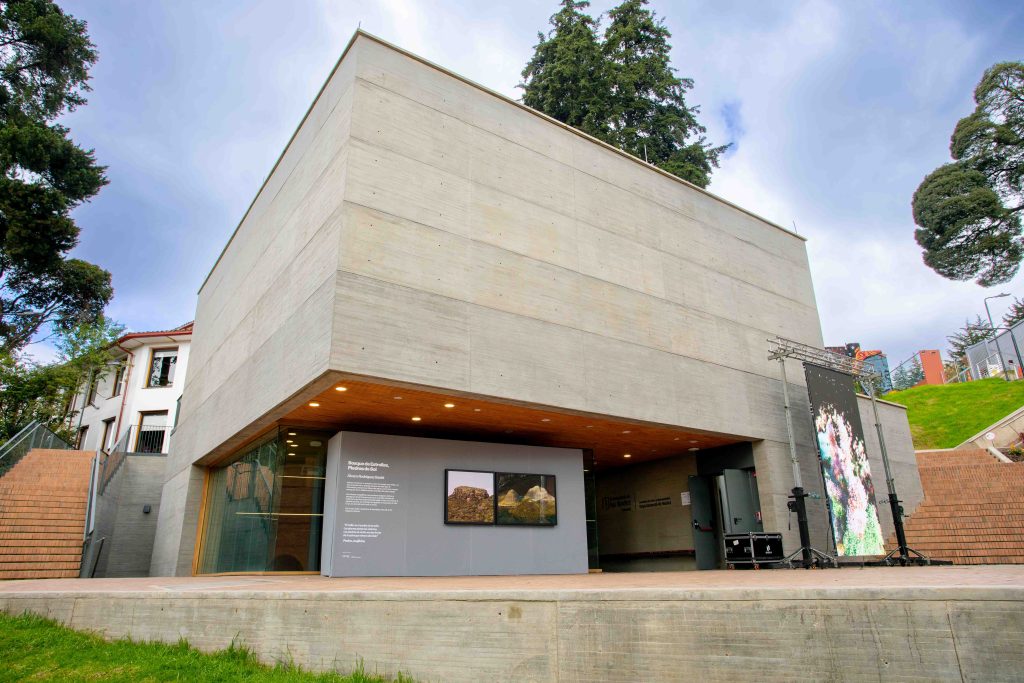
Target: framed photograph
469 497
526 499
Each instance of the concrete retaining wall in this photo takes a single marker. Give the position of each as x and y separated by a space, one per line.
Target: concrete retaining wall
927 634
129 532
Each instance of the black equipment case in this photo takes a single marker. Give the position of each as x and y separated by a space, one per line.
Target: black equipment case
755 548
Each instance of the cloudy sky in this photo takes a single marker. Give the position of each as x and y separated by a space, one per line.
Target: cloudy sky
836 111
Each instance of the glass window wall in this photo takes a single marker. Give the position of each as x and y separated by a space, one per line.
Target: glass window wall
264 510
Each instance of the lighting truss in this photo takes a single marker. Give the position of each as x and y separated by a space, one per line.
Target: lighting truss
780 347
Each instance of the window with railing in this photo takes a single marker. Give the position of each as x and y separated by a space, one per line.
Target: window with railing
152 432
161 368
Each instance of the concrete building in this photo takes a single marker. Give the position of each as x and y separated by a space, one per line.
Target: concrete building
136 399
435 279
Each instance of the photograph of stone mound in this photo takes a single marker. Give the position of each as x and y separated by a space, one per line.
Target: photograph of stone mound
470 497
527 499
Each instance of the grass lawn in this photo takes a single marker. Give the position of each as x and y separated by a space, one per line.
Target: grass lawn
946 415
36 649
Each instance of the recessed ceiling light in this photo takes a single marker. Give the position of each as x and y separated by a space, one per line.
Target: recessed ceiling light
341 388
291 433
627 455
676 439
590 426
546 419
314 404
398 398
291 454
476 410
625 431
449 405
417 419
694 449
695 442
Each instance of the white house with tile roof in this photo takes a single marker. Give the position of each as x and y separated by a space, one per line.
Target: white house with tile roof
136 399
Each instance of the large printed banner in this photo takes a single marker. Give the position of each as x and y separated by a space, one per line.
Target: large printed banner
844 462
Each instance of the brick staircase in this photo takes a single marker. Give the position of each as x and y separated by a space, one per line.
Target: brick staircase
42 514
973 508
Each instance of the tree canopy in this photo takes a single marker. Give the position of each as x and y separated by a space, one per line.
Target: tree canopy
968 212
45 56
621 89
31 391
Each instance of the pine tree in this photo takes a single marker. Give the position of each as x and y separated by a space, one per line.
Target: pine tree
621 90
969 212
969 335
45 56
1015 314
566 78
649 116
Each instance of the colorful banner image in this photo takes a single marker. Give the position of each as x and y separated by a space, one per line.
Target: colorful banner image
844 462
469 498
526 499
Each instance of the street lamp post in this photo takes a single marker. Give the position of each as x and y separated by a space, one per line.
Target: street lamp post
1002 362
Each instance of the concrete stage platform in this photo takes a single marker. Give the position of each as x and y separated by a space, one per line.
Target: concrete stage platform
920 623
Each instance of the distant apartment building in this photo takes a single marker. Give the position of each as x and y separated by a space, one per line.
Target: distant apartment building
135 399
874 359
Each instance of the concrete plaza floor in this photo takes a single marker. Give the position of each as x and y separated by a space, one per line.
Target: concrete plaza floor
914 623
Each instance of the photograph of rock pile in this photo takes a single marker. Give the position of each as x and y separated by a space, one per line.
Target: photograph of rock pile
526 499
470 498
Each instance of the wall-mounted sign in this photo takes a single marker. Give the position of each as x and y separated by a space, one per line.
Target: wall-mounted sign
623 503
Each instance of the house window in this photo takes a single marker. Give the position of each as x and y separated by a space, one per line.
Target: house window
80 443
161 368
94 382
108 434
118 380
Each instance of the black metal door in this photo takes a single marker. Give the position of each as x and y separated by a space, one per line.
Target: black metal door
702 512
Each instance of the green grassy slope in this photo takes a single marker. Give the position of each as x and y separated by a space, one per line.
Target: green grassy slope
32 648
944 416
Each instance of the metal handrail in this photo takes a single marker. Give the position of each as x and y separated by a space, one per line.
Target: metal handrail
34 435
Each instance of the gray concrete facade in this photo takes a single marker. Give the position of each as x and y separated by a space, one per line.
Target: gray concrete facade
422 230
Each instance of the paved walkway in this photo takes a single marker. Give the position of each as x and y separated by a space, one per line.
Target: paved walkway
992 576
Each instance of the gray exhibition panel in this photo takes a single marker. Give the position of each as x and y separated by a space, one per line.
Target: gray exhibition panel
384 510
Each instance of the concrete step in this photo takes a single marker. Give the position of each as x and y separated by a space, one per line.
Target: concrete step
20 538
15 553
49 568
38 574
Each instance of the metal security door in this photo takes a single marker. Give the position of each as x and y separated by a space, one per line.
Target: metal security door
702 512
738 491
